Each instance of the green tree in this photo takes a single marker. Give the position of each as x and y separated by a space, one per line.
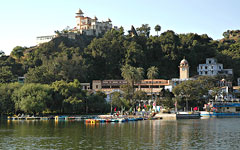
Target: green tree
132 75
152 73
7 105
214 92
40 74
101 55
17 52
70 96
157 29
169 44
97 103
134 53
6 74
2 53
144 30
119 101
191 91
140 95
32 98
167 99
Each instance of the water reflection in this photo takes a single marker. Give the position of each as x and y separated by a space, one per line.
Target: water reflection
150 134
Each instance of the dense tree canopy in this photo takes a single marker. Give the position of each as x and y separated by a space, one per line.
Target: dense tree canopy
87 58
59 62
194 92
32 98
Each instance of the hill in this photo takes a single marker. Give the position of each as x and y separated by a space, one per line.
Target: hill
89 58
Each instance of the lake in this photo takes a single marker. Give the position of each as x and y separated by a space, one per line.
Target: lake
149 134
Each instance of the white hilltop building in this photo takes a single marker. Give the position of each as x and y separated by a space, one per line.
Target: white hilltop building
91 26
44 39
84 25
212 68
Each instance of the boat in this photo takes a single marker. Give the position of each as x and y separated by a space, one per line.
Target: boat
188 115
132 119
139 118
122 120
224 109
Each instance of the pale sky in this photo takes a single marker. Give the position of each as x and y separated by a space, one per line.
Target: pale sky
23 20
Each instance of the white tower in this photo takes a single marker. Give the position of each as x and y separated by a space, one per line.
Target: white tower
184 69
79 17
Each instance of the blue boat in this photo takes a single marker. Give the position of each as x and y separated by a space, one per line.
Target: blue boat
132 119
222 110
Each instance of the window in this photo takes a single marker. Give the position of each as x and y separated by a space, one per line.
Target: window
205 67
144 86
96 86
154 86
237 108
227 107
105 87
210 62
116 87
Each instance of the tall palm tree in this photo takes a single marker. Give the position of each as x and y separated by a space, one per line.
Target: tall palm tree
139 74
152 73
132 75
157 28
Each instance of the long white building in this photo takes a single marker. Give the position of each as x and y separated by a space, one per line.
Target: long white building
44 39
212 68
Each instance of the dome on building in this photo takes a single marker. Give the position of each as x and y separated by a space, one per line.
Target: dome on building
184 62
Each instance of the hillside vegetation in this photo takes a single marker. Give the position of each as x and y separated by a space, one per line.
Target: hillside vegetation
89 58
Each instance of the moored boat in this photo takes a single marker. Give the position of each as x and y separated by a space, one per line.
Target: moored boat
188 115
223 109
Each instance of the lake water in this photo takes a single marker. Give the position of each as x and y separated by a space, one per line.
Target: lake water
150 134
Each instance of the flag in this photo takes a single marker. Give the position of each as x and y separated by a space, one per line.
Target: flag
145 106
195 108
154 104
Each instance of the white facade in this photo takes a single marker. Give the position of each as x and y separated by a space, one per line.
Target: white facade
212 68
91 26
238 81
44 39
85 86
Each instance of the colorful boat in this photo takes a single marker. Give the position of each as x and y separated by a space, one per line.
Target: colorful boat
221 110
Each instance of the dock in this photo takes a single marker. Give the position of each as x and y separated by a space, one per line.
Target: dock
56 118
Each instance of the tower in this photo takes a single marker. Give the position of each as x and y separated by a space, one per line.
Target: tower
184 69
79 18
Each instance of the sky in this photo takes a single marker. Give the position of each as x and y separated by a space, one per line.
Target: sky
21 21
